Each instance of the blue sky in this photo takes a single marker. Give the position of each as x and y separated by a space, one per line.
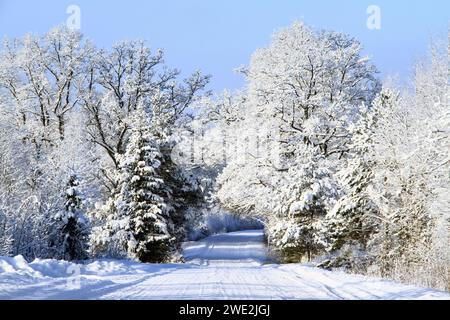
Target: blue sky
218 36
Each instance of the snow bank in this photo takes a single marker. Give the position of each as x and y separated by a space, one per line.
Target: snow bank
41 268
18 265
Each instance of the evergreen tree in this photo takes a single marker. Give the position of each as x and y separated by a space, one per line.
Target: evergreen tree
308 194
184 194
70 239
138 215
352 221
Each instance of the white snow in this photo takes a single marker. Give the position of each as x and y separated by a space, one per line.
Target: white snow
227 266
235 248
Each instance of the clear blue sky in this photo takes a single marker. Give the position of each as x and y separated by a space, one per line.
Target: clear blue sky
218 36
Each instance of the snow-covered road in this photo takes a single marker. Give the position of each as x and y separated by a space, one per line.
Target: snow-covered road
228 266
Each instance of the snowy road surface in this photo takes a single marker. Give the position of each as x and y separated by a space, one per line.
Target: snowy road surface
225 266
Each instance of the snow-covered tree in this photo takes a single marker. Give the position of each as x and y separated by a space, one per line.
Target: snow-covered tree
40 84
6 239
314 82
42 75
292 130
140 215
309 192
411 178
70 234
353 220
120 79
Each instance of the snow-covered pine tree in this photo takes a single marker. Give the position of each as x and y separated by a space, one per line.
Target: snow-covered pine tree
69 240
351 223
184 195
308 193
142 195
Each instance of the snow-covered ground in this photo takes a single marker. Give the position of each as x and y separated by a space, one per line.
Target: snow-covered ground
228 266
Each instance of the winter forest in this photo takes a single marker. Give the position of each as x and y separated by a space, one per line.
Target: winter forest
110 153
